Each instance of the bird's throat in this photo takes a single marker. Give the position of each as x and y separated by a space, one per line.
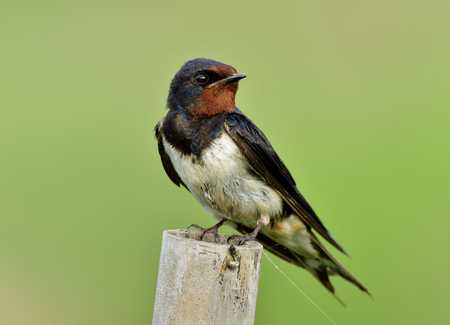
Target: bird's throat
217 99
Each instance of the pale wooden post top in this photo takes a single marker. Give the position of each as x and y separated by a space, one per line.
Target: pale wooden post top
204 282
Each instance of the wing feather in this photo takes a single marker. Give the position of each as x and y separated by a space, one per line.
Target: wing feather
265 161
165 159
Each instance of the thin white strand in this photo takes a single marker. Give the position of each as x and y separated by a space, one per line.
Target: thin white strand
270 260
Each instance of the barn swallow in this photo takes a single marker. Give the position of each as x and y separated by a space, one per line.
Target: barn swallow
219 155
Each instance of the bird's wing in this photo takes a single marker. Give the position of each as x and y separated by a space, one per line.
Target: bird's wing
167 164
265 161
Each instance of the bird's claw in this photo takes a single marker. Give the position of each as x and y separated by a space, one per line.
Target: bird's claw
241 239
196 227
244 238
212 229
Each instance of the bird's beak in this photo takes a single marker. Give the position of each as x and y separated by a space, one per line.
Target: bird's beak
231 78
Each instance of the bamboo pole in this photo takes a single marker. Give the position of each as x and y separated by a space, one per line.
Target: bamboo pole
204 282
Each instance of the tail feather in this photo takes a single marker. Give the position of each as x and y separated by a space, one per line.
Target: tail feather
337 267
321 270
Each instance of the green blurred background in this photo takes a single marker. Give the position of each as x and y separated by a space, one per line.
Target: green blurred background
353 95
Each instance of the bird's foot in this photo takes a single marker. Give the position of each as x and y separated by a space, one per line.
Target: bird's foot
212 229
241 239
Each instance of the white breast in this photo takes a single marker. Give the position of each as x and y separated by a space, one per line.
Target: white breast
220 180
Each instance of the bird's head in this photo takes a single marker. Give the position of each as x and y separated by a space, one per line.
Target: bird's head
203 87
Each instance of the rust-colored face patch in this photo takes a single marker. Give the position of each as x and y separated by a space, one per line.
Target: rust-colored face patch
220 97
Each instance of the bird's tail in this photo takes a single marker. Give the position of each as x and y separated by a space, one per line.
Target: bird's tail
321 268
334 267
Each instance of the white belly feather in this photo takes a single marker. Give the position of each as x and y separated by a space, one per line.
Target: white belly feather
225 188
223 185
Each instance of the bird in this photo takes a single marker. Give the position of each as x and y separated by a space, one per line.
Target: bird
211 148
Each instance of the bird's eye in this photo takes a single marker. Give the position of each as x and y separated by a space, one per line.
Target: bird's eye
201 78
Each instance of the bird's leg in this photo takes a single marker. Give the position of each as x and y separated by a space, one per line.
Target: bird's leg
244 238
212 229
